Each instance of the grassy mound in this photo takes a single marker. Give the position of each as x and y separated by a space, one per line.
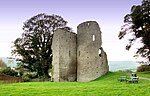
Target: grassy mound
107 85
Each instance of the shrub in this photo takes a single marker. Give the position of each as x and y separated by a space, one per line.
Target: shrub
28 76
9 71
143 68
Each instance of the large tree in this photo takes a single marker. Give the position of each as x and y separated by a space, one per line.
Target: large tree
34 47
137 23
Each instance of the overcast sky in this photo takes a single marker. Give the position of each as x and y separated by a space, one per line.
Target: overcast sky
108 13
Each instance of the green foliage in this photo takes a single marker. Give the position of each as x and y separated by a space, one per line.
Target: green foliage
127 71
35 44
28 76
9 71
107 85
143 68
21 69
137 23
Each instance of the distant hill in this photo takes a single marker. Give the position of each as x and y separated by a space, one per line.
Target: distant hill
10 62
123 65
2 64
113 65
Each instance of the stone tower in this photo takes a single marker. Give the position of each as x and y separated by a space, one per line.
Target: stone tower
91 58
64 56
79 56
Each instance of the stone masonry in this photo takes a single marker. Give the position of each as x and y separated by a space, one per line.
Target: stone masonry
91 63
64 56
79 57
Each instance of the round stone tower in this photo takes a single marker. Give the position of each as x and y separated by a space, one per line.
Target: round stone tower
91 59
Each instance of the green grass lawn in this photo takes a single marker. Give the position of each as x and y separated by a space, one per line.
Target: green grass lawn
144 74
107 85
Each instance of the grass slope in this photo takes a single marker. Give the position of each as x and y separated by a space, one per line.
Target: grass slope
107 85
144 74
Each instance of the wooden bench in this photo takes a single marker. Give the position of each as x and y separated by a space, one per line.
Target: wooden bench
122 78
133 79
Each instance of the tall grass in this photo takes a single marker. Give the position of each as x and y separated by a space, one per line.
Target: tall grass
107 85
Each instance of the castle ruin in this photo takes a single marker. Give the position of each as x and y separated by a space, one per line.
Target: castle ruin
79 57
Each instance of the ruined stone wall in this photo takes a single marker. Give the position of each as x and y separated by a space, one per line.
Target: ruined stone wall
79 56
104 67
64 56
90 64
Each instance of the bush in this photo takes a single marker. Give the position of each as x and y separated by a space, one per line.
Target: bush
143 68
28 76
9 71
